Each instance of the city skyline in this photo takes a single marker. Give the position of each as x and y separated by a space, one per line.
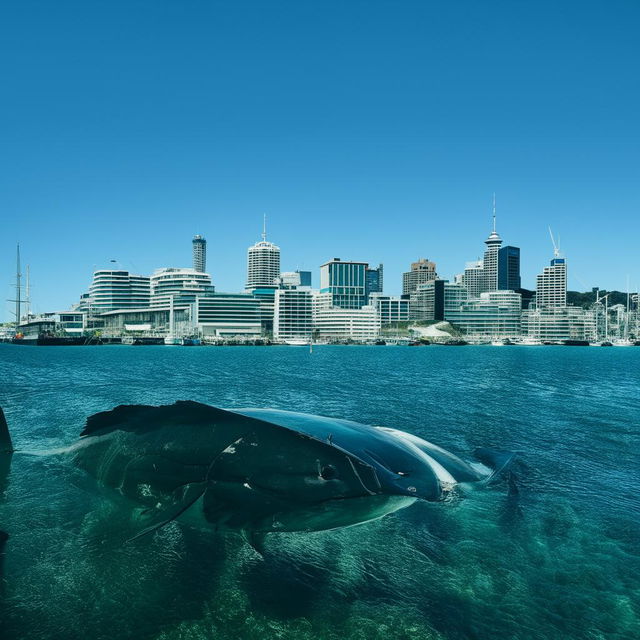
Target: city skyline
393 285
369 132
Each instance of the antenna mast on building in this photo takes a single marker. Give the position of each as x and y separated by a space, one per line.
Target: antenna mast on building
264 227
494 212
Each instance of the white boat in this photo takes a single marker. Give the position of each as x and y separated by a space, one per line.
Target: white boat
174 341
621 342
297 342
530 342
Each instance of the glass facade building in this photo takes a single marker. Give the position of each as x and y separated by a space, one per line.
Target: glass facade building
509 268
346 282
433 300
556 324
494 315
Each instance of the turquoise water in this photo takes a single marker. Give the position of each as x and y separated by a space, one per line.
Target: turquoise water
557 559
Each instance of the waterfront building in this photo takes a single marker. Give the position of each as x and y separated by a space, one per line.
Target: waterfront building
494 315
339 323
294 279
116 289
551 285
556 324
57 323
509 268
346 282
199 253
263 264
473 278
391 309
435 299
184 285
293 314
229 315
421 271
150 321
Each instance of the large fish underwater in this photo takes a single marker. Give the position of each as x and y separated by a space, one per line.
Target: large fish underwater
258 471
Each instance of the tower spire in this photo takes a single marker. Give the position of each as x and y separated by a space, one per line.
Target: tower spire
494 212
264 227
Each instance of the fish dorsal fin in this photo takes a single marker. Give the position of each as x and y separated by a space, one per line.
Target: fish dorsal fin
144 418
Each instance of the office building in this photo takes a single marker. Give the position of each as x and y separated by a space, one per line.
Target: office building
263 264
293 314
229 315
374 280
551 285
509 268
338 323
183 285
116 289
346 282
473 278
435 299
421 271
391 309
294 279
199 253
556 324
493 315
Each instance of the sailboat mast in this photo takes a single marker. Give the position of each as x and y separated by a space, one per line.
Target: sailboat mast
27 299
18 286
626 318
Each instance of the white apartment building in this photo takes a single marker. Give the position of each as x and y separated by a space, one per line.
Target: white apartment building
551 285
185 285
293 314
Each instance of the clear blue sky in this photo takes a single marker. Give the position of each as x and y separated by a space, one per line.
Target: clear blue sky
365 130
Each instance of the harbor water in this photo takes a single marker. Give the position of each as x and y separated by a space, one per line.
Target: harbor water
555 553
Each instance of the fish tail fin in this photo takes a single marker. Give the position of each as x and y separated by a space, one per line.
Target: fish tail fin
6 446
498 461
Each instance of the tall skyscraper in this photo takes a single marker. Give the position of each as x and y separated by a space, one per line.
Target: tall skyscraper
499 270
199 253
508 268
490 262
263 263
421 272
551 285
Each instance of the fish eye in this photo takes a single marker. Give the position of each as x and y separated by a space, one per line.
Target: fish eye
328 472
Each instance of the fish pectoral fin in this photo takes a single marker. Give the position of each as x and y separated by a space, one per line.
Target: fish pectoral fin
184 497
